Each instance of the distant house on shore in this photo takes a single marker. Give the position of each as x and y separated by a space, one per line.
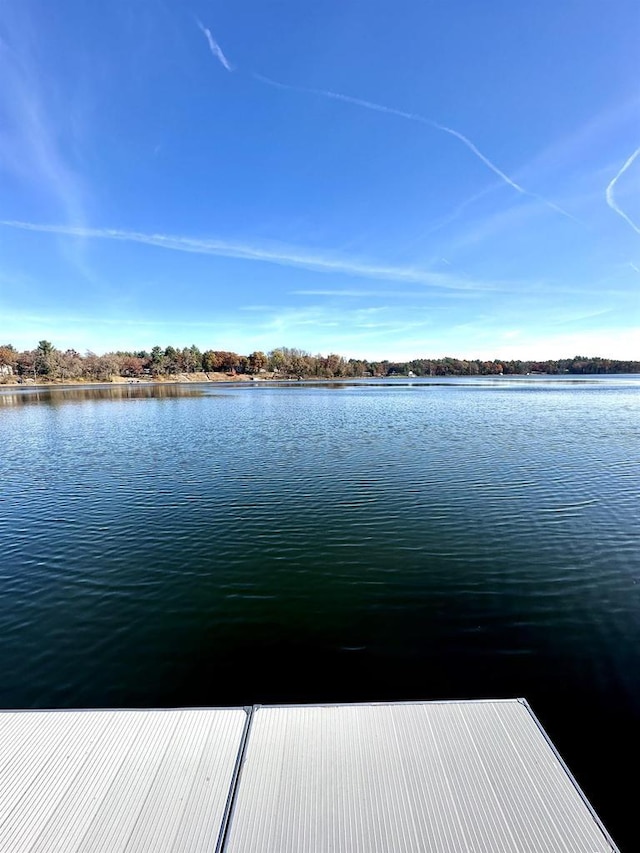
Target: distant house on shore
6 370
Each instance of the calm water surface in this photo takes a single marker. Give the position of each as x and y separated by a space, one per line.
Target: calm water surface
221 545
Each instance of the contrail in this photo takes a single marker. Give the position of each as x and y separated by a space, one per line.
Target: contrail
214 47
369 105
283 256
380 108
609 192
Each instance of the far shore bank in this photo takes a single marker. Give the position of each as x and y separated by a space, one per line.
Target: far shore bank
171 379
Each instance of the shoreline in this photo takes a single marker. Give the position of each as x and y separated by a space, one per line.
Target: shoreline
117 381
245 379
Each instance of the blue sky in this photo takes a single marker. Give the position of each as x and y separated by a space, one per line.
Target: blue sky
379 179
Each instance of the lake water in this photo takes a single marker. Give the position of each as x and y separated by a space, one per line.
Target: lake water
226 545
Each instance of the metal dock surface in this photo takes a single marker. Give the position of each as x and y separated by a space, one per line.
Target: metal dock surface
435 776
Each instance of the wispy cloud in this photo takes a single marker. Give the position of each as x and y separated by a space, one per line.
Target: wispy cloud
347 294
283 256
370 105
570 318
30 142
570 154
610 196
353 293
214 47
498 225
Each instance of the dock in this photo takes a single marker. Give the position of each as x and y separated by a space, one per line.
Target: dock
445 777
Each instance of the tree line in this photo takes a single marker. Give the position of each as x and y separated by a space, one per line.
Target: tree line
48 363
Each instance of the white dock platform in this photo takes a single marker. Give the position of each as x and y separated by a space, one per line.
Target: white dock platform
436 776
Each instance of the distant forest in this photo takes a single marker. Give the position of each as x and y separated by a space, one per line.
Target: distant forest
46 363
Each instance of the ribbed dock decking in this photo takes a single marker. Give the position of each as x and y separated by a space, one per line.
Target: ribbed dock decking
436 776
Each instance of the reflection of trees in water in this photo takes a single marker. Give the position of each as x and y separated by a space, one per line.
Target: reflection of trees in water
57 396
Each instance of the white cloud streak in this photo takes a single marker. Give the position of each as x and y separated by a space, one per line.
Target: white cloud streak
214 47
349 294
611 201
283 256
380 108
30 140
381 294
